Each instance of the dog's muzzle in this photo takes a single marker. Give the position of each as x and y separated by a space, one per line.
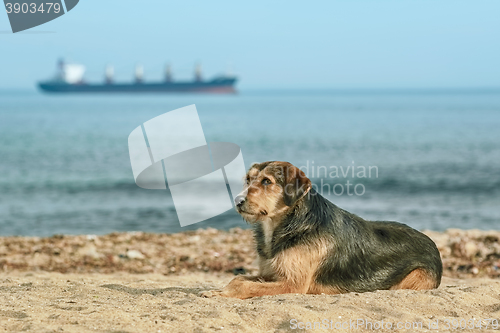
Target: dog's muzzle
239 200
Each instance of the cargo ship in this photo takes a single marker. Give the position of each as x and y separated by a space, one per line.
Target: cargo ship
69 79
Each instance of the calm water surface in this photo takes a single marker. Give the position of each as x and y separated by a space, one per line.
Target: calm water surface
435 158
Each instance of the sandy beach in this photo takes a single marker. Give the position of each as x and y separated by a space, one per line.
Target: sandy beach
139 282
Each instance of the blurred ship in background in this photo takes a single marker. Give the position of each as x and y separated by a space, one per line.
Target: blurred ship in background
69 79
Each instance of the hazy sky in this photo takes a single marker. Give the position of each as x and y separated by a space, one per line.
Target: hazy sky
269 44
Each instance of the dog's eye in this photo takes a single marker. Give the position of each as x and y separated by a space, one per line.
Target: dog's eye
248 180
266 181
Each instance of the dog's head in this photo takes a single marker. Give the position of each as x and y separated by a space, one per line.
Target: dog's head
271 189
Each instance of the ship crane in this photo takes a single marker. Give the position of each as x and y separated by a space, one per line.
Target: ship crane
197 73
139 73
109 73
168 73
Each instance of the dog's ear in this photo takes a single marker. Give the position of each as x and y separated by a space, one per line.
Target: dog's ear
296 185
254 165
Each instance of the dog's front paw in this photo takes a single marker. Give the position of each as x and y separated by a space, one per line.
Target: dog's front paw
211 293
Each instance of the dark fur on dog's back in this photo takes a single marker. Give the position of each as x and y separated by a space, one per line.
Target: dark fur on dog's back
364 256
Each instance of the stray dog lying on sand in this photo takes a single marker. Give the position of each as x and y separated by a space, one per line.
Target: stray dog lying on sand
308 245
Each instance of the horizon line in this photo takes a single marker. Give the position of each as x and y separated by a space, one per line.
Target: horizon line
349 90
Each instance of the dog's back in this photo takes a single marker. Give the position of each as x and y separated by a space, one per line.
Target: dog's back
379 255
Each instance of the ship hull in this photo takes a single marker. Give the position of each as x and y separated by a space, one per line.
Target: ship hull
225 86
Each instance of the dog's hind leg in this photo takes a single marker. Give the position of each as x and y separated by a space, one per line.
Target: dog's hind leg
418 279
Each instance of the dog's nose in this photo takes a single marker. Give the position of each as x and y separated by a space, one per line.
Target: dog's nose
239 200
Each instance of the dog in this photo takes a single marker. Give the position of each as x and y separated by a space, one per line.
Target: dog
308 245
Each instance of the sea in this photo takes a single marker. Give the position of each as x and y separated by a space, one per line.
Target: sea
429 159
